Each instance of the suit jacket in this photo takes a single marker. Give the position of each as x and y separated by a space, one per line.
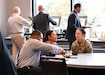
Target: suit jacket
73 25
7 66
41 22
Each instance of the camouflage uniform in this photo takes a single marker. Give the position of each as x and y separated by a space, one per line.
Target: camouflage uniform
82 47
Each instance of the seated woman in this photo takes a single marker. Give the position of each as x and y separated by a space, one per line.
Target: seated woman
81 45
51 38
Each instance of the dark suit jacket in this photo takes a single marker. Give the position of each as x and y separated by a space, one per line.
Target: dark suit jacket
73 24
41 22
7 66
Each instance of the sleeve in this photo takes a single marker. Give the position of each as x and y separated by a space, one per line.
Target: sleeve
44 46
57 51
89 47
23 21
72 22
51 20
73 47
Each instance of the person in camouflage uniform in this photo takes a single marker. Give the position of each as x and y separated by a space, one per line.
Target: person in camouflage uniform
81 45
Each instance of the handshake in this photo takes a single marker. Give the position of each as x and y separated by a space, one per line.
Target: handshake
65 53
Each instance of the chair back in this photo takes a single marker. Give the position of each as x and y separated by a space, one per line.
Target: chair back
53 66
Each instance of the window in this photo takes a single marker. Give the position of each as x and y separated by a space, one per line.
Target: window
95 12
56 8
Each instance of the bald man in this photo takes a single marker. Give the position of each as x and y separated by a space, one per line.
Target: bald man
41 21
16 25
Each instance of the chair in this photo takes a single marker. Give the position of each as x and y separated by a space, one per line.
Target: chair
53 66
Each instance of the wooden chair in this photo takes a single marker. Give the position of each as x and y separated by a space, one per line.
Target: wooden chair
53 66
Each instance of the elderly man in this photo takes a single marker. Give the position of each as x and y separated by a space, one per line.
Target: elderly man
16 25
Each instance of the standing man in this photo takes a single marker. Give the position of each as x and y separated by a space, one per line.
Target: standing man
73 24
16 26
41 21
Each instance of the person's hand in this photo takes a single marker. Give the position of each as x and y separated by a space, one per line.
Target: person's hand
68 54
62 52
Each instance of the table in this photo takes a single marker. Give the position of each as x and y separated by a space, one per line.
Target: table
88 60
85 60
89 63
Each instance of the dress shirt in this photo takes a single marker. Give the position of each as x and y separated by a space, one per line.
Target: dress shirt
82 47
55 52
30 52
58 49
16 23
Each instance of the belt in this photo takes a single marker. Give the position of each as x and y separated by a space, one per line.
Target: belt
18 33
26 67
24 70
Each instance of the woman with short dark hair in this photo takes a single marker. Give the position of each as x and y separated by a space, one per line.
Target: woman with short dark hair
81 45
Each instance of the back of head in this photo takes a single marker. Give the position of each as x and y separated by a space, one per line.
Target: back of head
36 34
16 10
40 8
48 33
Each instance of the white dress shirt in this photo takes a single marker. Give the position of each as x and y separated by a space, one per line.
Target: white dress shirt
16 23
30 52
56 52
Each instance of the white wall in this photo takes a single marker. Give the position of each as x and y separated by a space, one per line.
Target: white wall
3 14
6 7
25 6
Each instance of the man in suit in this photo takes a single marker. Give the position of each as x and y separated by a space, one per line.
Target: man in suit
73 24
41 21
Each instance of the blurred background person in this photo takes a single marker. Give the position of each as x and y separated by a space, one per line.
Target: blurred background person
51 38
41 21
7 66
81 45
73 24
16 25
